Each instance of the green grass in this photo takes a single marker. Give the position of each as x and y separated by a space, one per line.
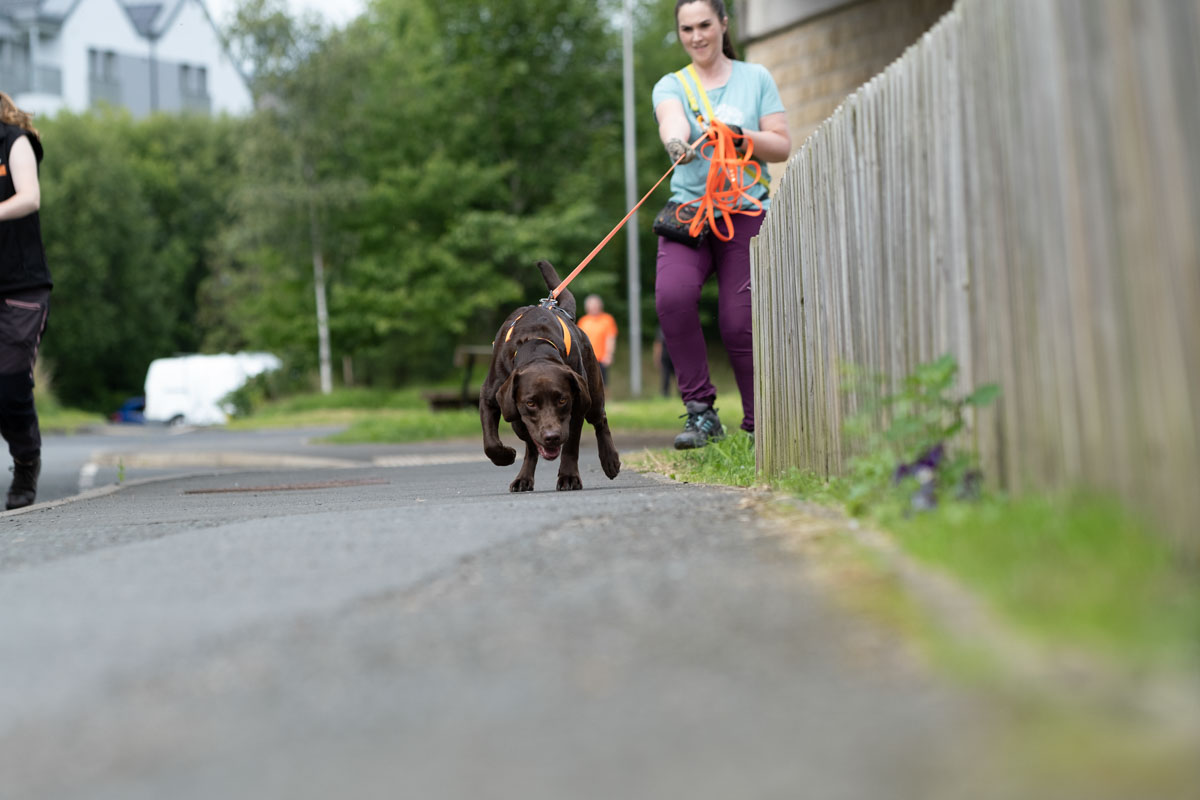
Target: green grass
397 425
53 417
56 419
341 407
399 416
1079 569
729 462
1075 570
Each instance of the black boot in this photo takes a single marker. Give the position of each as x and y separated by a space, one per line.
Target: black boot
702 426
24 483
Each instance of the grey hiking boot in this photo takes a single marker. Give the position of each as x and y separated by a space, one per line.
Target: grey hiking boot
24 483
702 426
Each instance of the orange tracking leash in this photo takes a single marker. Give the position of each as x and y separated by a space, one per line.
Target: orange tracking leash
558 290
723 191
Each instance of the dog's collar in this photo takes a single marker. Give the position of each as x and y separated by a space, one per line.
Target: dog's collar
566 334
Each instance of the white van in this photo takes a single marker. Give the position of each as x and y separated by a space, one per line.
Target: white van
189 390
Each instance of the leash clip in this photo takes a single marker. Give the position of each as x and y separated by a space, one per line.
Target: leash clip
551 304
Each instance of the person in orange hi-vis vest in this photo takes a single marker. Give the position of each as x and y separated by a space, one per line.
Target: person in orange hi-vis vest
601 330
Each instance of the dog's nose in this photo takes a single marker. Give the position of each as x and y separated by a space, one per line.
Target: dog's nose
553 437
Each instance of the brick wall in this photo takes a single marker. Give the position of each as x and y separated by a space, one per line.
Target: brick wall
817 62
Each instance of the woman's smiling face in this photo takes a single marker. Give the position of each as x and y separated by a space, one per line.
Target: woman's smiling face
700 31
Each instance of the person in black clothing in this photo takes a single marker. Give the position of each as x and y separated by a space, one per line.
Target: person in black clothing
24 296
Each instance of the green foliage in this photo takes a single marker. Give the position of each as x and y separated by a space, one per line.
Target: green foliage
903 440
111 310
729 461
129 210
178 161
407 418
410 425
264 388
426 165
430 152
1078 569
268 42
53 416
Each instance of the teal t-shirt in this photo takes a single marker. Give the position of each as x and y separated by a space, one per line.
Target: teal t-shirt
748 96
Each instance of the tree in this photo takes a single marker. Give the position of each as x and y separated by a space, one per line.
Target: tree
438 184
129 212
113 307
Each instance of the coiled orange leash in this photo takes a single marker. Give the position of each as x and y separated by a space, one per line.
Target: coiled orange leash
730 177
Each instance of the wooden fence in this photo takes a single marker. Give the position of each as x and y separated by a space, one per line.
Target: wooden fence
1021 190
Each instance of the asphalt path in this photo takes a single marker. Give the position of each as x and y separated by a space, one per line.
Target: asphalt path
117 453
400 625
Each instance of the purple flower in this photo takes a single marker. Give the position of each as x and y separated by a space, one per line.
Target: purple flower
923 468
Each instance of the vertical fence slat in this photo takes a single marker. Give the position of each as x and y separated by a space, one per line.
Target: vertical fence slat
1019 189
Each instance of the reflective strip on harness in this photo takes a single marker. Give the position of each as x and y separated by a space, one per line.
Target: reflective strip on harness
691 70
566 333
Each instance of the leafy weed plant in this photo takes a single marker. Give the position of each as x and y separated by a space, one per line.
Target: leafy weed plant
1077 570
904 441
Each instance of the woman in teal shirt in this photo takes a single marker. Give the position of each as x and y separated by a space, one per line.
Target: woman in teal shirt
742 95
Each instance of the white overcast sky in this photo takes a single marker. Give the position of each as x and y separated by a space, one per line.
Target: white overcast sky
336 11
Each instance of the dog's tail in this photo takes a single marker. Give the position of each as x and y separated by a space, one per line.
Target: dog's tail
566 300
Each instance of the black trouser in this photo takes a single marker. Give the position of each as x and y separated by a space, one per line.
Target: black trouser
23 318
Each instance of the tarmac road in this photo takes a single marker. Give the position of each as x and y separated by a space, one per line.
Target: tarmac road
418 632
114 453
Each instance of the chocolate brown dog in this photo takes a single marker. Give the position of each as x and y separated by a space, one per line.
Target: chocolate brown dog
544 379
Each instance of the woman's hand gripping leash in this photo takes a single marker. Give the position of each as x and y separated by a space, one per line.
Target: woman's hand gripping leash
681 158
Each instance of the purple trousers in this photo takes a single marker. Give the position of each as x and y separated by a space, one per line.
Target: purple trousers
680 273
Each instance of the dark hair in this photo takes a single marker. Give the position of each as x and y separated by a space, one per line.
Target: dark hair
718 7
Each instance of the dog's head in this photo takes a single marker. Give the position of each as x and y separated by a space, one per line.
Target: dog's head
544 396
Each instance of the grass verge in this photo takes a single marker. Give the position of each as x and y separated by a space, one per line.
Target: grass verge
53 417
1074 570
1073 575
399 416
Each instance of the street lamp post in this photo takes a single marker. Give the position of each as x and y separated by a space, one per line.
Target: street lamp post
634 271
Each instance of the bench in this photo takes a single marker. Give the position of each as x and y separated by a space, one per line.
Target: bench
467 397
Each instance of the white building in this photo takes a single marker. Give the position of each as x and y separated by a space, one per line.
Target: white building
145 56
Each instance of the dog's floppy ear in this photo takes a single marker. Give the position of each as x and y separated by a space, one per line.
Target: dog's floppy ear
583 398
506 396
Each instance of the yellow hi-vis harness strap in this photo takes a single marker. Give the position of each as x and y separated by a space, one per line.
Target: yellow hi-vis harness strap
566 334
690 69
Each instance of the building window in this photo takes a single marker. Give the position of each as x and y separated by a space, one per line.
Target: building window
102 77
193 81
102 65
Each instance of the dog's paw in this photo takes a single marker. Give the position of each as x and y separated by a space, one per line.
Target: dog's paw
568 483
501 456
611 463
521 485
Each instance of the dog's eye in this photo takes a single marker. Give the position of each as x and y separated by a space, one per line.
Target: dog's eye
530 404
562 401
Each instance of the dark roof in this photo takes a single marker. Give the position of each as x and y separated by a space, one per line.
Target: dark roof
143 17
